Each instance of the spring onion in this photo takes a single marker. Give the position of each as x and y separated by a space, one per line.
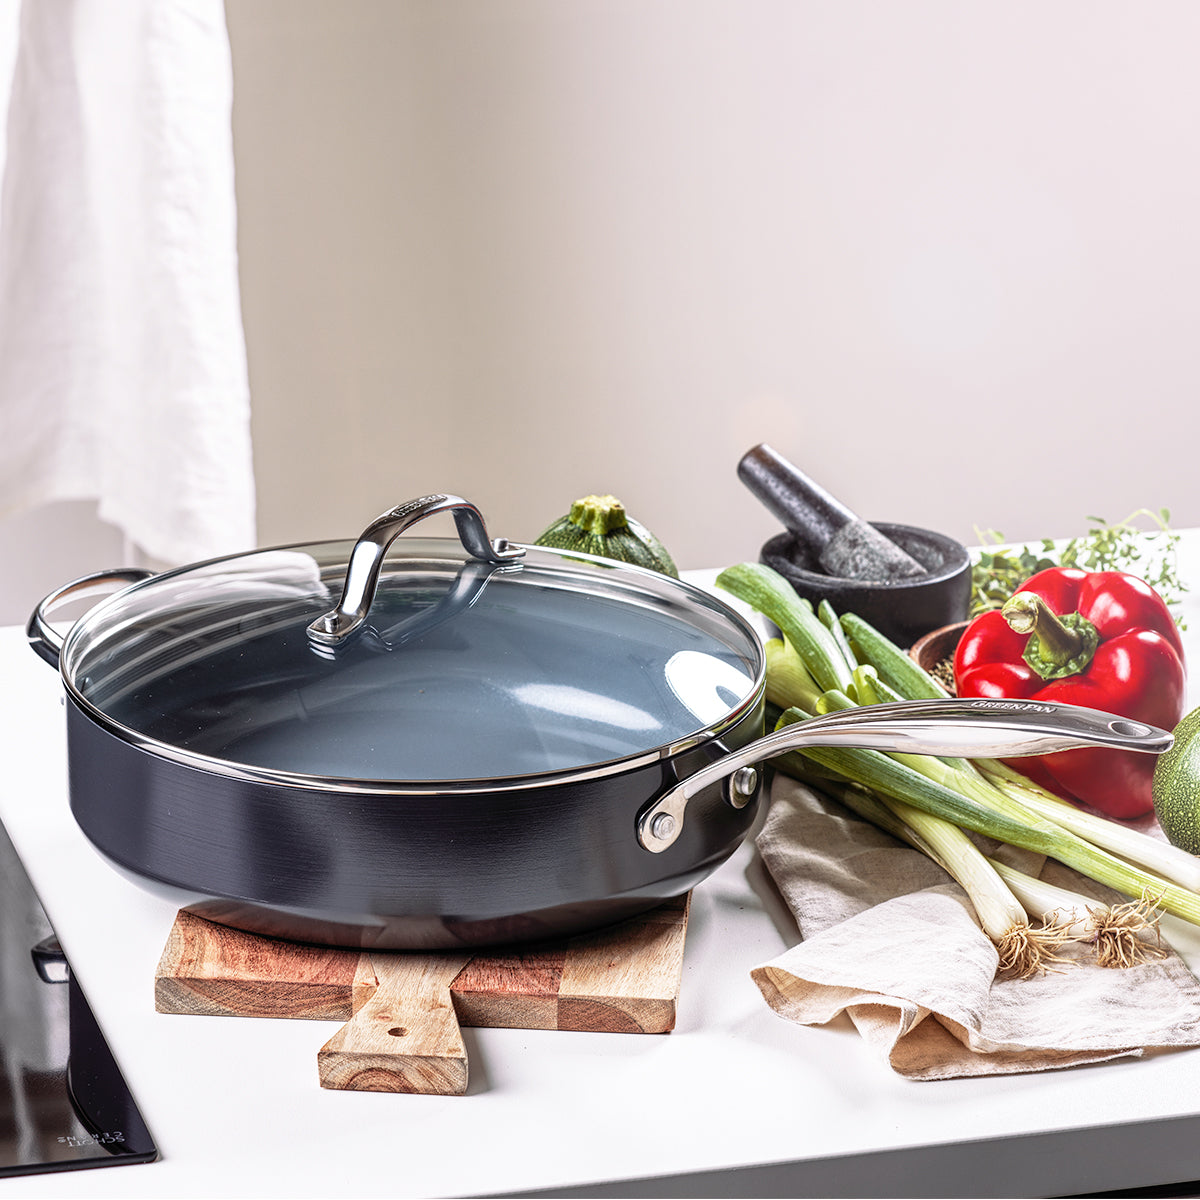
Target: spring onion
1021 949
768 592
895 667
789 684
983 796
1116 932
943 791
830 620
1158 856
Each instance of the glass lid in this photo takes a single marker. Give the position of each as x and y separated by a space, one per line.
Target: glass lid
434 665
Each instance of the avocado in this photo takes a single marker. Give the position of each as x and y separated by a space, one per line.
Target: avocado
1176 788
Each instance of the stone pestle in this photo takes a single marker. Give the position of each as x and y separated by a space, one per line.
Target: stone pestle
845 545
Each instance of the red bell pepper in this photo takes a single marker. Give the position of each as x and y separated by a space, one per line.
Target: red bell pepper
1100 639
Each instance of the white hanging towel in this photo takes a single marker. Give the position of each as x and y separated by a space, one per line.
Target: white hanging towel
123 372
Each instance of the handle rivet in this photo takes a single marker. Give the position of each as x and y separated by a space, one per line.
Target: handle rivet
745 781
662 826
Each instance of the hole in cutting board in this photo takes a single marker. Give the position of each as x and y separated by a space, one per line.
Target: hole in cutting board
397 1031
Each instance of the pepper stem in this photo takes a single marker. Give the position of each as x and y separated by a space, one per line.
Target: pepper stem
599 515
1058 645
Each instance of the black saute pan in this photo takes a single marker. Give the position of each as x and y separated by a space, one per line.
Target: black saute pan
463 744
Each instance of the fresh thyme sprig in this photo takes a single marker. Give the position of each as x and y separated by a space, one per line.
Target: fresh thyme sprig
1151 554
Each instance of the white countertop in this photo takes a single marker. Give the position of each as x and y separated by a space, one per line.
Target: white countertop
735 1100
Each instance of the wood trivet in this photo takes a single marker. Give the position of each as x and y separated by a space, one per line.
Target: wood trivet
404 1011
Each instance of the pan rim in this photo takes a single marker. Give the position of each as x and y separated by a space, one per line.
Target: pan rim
249 773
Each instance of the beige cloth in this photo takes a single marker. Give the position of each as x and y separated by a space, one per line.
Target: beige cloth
892 941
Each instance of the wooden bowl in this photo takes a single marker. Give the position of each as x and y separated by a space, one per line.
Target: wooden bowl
938 645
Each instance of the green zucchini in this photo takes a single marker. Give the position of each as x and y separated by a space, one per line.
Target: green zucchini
1176 788
600 525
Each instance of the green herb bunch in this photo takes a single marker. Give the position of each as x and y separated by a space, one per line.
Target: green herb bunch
1151 554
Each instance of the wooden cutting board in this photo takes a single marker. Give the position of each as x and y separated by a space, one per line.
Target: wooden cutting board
404 1011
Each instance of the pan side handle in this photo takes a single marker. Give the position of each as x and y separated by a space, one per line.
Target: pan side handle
958 728
45 640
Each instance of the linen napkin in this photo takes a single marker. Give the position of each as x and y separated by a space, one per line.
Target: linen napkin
892 941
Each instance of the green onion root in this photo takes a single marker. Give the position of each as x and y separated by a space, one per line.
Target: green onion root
1118 933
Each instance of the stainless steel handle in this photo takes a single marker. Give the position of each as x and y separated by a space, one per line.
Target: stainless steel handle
959 728
464 591
362 573
43 637
49 961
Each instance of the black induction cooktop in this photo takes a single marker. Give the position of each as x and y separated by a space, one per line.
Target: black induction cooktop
63 1101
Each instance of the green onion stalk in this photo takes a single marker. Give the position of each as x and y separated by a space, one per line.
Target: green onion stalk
810 671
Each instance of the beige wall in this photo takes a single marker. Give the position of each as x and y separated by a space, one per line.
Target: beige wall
943 255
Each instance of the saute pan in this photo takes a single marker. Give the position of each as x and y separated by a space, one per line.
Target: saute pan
468 742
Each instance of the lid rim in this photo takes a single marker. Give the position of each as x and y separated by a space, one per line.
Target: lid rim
697 606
